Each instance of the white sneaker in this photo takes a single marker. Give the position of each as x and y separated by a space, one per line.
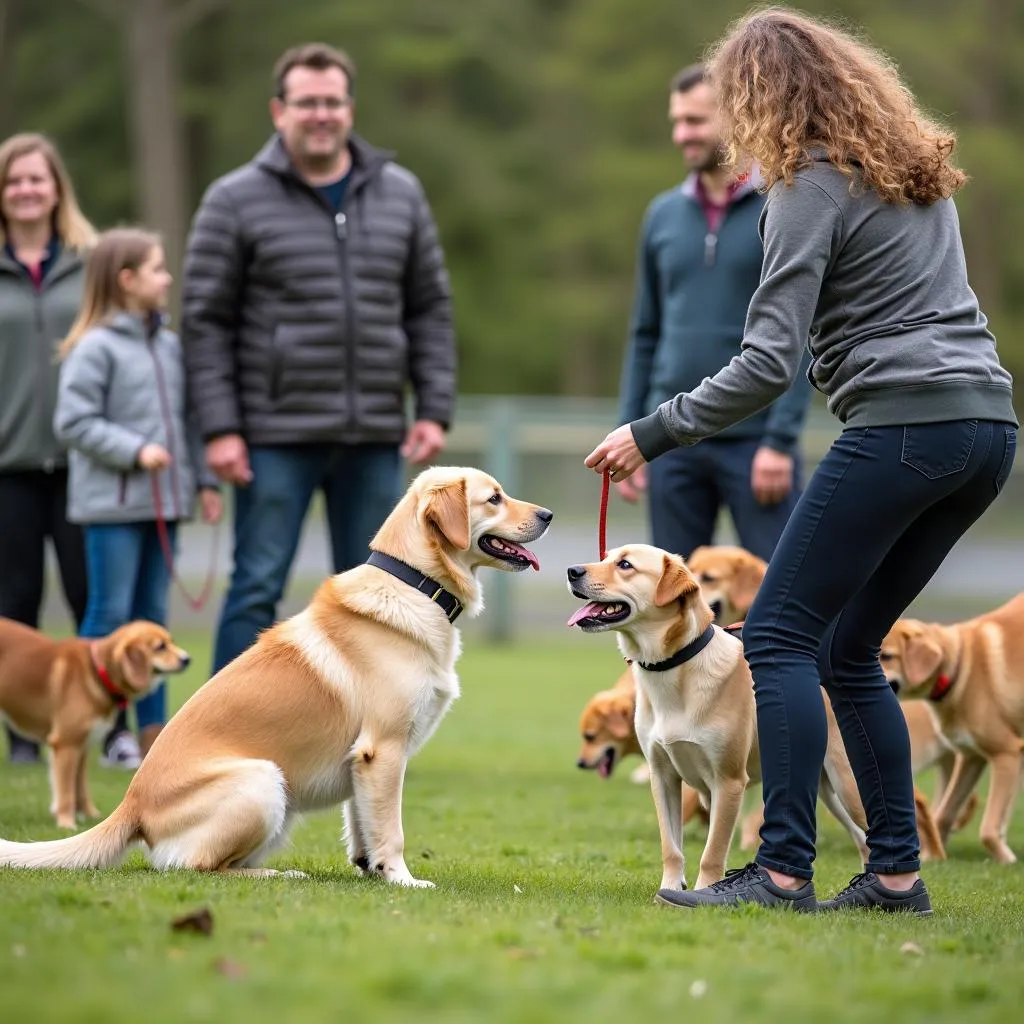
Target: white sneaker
122 752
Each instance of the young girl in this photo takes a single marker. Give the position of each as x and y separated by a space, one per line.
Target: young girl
864 266
121 413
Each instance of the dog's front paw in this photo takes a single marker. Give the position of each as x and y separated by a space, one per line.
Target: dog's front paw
672 883
67 822
413 883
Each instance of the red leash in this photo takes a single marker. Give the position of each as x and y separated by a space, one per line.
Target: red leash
195 603
602 521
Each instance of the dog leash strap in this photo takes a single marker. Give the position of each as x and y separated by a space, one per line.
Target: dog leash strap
447 601
602 519
195 603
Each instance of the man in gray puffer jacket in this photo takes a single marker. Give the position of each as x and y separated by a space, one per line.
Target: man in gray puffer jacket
315 294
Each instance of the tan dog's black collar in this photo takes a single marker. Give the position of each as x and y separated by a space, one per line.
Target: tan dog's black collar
449 603
120 700
691 650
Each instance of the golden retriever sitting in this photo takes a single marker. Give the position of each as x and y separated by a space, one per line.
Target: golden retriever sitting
61 692
695 715
326 707
972 673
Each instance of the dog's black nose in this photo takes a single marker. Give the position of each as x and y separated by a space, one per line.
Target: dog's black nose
186 660
581 763
575 572
545 515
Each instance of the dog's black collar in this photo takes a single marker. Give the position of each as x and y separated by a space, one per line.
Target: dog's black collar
691 650
449 603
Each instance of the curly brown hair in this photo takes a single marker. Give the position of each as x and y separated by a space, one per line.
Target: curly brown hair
786 83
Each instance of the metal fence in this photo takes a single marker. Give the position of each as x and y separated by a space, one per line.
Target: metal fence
536 447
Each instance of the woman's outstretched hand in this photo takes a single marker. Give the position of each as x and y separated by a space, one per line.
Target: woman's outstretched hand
618 454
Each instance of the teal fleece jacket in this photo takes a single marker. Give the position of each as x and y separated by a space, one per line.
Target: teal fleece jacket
693 289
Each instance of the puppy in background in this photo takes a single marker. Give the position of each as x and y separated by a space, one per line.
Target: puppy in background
608 735
63 692
729 579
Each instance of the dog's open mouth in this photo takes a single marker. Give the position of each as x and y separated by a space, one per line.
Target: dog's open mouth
607 763
599 613
507 551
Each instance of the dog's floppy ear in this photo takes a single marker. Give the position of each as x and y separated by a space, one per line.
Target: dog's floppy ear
133 661
448 510
620 717
747 582
675 583
921 659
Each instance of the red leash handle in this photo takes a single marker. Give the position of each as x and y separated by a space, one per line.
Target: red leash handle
195 603
602 520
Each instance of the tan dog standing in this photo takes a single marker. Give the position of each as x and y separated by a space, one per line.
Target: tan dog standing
326 707
63 692
972 673
695 714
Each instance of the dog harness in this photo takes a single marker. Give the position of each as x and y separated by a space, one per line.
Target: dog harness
448 602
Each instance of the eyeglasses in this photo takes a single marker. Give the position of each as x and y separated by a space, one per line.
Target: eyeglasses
309 104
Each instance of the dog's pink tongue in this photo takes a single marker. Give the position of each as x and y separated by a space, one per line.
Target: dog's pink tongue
604 770
592 608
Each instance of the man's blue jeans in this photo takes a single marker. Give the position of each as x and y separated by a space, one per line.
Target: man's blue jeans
879 516
361 484
128 579
689 485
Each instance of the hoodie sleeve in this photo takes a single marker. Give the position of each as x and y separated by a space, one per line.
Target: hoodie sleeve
79 421
802 228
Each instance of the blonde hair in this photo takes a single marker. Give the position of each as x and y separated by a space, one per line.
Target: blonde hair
69 223
786 83
116 250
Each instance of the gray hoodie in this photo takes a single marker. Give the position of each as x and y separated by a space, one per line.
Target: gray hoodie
878 293
121 387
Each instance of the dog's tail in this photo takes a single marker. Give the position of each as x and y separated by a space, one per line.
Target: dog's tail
100 847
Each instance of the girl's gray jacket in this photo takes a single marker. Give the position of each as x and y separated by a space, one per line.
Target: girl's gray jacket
121 387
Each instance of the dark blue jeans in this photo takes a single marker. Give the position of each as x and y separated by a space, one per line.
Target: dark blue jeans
688 486
878 517
360 483
128 579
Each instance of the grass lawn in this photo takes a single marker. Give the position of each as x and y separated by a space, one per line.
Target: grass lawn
542 910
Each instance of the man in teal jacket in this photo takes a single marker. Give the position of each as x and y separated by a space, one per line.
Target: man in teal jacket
699 263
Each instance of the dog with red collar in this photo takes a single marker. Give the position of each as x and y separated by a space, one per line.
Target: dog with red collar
63 692
972 676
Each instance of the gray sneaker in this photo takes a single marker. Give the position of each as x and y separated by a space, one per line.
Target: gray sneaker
866 892
122 752
751 884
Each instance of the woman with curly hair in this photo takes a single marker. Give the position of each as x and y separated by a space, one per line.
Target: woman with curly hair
863 265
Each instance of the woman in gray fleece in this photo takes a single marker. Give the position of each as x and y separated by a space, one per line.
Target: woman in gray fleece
121 413
864 266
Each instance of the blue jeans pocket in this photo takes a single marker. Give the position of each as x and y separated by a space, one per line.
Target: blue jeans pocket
936 450
1008 453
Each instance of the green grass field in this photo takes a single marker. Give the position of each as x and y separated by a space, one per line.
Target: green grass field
542 910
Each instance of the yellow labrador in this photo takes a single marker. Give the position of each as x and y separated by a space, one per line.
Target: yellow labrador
972 674
695 714
326 707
